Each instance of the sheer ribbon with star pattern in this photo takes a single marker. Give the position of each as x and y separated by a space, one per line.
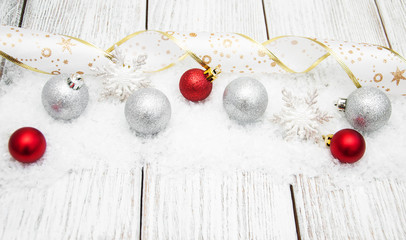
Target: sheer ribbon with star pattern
365 64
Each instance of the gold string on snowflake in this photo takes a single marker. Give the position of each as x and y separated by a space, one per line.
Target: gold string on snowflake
300 117
122 75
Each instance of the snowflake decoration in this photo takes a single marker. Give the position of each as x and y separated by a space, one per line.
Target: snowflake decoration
300 117
122 76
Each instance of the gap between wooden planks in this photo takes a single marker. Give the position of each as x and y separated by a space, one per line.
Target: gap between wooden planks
375 211
10 14
358 21
327 19
96 203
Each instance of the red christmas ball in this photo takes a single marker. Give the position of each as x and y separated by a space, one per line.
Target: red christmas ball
194 85
27 145
347 145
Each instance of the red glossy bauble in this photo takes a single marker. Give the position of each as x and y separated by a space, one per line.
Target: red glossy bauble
347 145
194 85
27 145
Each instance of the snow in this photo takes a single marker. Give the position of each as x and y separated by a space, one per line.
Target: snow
199 135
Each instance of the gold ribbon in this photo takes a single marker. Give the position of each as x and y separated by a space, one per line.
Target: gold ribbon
188 52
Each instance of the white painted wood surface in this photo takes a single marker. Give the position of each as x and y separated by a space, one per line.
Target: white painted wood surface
211 205
356 212
393 13
205 204
356 21
10 13
100 22
96 204
87 204
243 16
374 211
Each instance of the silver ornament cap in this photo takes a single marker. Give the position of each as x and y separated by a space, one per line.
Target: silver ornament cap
245 99
64 100
148 111
367 109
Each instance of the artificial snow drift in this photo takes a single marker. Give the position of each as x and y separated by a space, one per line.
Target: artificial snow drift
199 135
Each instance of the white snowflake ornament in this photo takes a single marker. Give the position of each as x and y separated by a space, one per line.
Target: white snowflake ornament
300 117
122 76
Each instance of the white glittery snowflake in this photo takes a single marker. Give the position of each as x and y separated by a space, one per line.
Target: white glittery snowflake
300 117
122 76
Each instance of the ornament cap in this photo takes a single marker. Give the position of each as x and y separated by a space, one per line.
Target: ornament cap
75 81
211 74
341 104
327 139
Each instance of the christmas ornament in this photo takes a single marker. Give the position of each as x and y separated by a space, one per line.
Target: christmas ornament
245 99
148 111
123 75
366 109
196 84
65 97
300 117
27 145
347 145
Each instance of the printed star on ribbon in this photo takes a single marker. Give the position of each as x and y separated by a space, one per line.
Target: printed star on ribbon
66 44
398 75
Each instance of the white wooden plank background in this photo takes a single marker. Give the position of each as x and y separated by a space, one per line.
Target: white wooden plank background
370 212
393 14
89 204
10 14
207 204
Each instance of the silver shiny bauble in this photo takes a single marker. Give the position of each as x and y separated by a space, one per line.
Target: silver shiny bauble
245 99
148 111
62 100
367 109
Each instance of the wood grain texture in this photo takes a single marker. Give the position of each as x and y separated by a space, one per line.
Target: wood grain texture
10 14
100 22
393 13
100 204
96 204
205 204
356 21
364 212
212 16
374 211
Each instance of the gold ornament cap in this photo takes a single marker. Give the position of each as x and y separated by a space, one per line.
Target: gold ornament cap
211 74
327 139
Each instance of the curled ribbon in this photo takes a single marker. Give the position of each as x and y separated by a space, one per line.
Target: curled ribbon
364 63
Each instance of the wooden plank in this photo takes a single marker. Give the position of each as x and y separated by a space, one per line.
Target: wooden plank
393 15
211 16
10 14
205 204
356 212
100 22
97 204
356 21
373 211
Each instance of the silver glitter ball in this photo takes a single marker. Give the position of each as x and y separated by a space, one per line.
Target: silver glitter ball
147 111
61 101
245 99
367 109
